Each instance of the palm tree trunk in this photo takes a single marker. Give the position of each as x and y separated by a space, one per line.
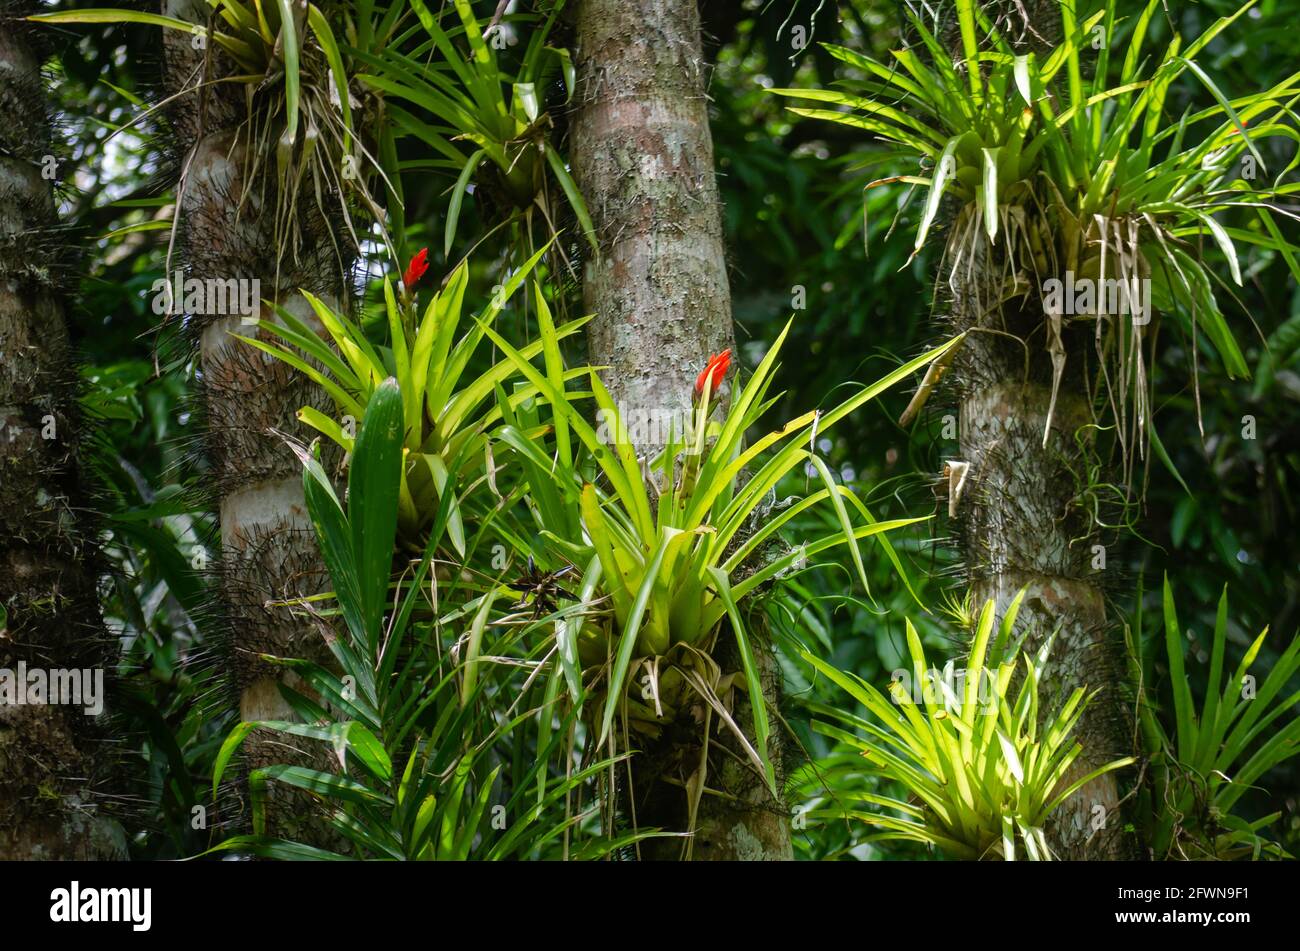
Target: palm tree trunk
1021 528
643 156
53 756
226 204
1021 521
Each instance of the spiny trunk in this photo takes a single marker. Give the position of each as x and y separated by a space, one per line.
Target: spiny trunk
1020 532
643 156
1022 522
52 756
1022 526
227 207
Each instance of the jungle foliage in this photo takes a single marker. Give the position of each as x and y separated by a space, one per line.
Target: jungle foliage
519 605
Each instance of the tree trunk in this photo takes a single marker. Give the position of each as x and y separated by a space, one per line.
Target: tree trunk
1021 528
52 755
643 157
226 211
1020 519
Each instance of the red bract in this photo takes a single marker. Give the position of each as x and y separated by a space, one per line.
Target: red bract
714 372
415 270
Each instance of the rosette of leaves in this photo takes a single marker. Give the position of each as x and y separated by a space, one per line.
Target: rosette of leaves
447 410
983 767
1058 173
1207 756
483 120
303 105
665 549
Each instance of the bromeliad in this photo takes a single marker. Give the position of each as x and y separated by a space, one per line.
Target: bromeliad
1064 167
984 771
675 558
447 412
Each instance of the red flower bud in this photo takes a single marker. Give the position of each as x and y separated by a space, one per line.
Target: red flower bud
415 270
714 372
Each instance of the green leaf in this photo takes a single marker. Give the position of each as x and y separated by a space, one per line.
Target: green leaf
281 849
944 172
571 192
1183 708
373 480
228 748
329 786
288 42
115 16
475 646
753 678
457 197
367 748
445 487
1159 448
1223 104
669 538
990 192
334 538
338 72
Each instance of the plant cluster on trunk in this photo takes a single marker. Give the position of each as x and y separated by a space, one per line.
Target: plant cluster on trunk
1025 436
1020 527
228 200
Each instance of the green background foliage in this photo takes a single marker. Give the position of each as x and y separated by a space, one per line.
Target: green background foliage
803 236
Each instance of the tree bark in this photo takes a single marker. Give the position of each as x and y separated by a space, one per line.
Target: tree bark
1021 528
226 216
54 757
1020 520
643 157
